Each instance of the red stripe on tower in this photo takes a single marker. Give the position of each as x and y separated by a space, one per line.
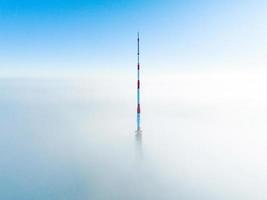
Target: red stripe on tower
138 84
138 108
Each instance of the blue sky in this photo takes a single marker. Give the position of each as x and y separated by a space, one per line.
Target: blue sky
184 35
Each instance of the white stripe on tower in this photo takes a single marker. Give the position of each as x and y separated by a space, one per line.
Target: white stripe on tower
138 88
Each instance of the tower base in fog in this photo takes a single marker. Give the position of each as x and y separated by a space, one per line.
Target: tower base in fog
138 131
138 136
138 143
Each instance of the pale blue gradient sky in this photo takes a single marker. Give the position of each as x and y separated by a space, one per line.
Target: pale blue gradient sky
183 35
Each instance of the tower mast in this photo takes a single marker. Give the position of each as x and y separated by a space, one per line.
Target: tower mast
138 130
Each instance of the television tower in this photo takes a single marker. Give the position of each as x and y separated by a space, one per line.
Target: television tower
138 130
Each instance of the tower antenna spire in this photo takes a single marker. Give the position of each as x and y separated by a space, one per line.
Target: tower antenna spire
138 130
